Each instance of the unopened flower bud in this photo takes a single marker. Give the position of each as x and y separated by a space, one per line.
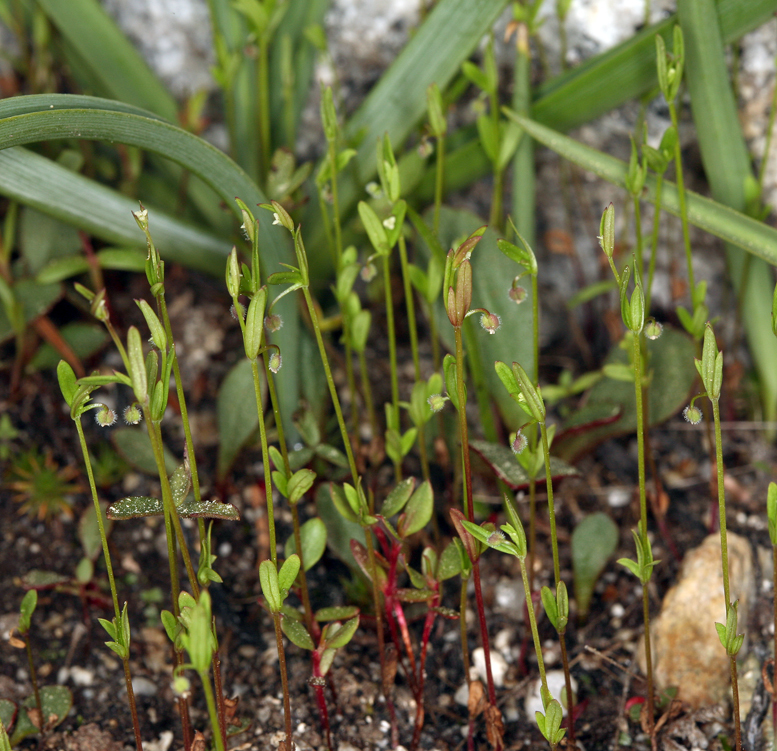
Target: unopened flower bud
517 294
373 189
105 417
437 402
490 322
653 329
518 442
273 322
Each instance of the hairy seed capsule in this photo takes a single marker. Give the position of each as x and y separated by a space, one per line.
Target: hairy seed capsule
692 415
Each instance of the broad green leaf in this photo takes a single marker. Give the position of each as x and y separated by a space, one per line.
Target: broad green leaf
36 299
134 507
89 531
38 579
506 467
339 530
594 541
336 613
398 497
343 635
55 701
297 634
83 338
43 239
609 407
134 446
237 415
7 713
418 511
208 510
313 536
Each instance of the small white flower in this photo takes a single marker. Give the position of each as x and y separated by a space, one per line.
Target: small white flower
275 218
390 222
373 189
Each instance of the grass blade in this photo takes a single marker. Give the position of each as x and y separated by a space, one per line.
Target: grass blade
727 166
35 181
114 62
713 217
629 70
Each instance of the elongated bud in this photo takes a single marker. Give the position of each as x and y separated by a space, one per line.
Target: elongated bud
607 231
233 274
158 335
137 365
254 323
437 122
249 222
328 114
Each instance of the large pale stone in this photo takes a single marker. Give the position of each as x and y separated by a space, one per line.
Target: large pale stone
686 650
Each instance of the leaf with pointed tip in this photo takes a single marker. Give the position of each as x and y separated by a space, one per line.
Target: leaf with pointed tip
505 464
594 540
297 634
342 635
208 510
336 613
56 702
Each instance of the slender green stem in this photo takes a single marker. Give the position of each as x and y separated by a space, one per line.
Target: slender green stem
562 640
533 624
350 375
551 505
439 182
678 161
367 392
735 693
212 711
640 240
392 342
330 241
276 617
111 579
34 679
637 365
774 659
263 76
721 501
331 383
654 243
532 528
463 429
266 462
335 204
768 144
410 305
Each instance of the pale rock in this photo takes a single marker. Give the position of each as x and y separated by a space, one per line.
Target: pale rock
498 666
556 685
685 646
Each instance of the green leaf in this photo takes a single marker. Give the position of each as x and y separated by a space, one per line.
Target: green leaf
89 531
288 572
339 530
208 510
299 484
374 228
336 613
297 634
342 635
268 580
67 381
398 497
313 536
237 416
610 409
134 446
594 540
85 339
450 563
56 702
135 507
36 299
418 511
503 461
